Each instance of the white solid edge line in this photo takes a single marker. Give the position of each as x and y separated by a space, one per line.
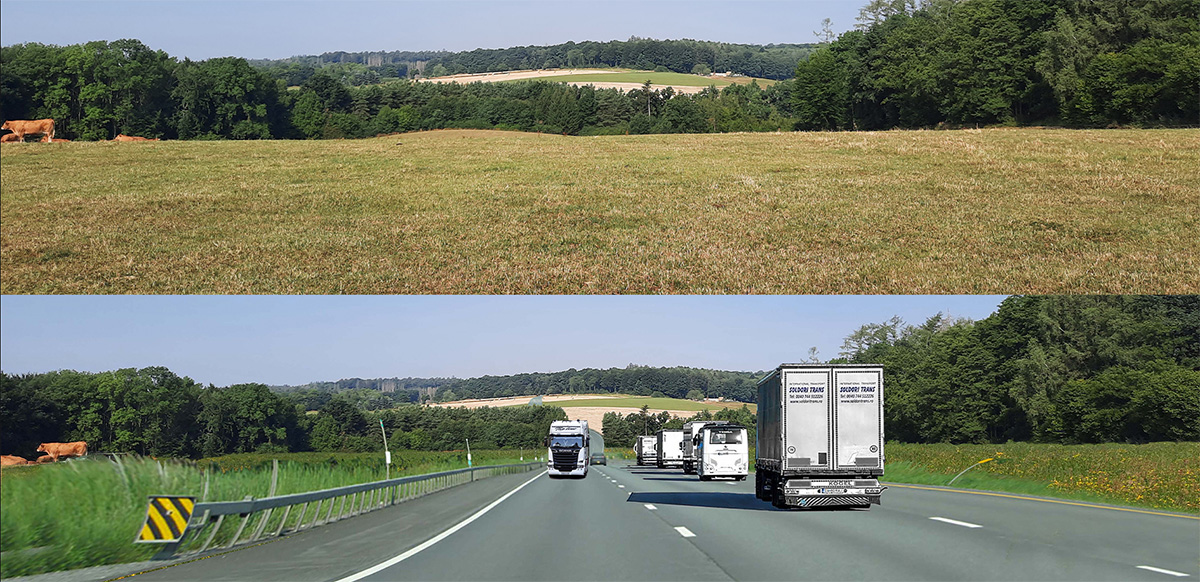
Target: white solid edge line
1162 571
685 532
650 506
435 539
955 522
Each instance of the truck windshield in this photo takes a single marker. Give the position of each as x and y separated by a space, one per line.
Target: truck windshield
566 441
730 437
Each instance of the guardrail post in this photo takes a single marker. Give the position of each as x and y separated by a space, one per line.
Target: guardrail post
283 521
242 526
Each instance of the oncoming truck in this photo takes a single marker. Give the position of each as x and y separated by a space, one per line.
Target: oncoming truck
820 435
722 450
569 442
670 448
646 448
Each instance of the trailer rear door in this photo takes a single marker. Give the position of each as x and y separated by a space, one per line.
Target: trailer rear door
806 422
858 418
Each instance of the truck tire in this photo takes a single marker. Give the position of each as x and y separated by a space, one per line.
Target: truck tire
705 478
758 486
777 498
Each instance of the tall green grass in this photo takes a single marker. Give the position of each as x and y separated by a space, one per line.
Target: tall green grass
87 512
1155 475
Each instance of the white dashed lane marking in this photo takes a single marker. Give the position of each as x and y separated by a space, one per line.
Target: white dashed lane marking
1162 571
685 532
956 522
650 506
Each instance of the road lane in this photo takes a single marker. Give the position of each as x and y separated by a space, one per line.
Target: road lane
562 529
631 523
1018 540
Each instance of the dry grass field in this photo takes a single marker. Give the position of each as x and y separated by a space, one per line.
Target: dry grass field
992 211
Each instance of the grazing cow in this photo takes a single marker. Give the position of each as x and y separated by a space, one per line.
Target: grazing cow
123 137
23 127
8 460
63 450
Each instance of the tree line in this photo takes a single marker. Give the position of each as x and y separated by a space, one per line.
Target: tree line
622 430
1067 369
153 411
1062 369
97 90
1088 63
772 61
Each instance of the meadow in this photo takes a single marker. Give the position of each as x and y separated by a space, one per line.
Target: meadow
968 211
41 533
1155 475
653 403
673 79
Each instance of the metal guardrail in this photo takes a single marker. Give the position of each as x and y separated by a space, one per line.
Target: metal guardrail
316 508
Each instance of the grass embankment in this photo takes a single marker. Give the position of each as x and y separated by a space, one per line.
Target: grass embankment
87 513
993 211
653 403
1156 475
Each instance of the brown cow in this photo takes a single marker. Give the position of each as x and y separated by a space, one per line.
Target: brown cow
123 137
45 459
60 140
63 450
10 138
7 460
23 127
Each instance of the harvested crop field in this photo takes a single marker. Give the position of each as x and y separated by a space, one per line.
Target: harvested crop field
993 211
622 79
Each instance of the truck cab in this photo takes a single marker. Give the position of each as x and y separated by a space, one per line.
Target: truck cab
569 444
690 431
722 450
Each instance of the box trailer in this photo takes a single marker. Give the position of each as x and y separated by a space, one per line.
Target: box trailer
820 435
722 450
646 448
670 448
690 430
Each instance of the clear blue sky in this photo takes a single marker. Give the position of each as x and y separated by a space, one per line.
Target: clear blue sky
293 340
201 29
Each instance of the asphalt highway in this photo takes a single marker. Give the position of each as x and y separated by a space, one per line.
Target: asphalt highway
629 523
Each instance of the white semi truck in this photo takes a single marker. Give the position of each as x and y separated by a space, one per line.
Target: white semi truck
722 450
670 448
690 430
569 443
820 435
646 448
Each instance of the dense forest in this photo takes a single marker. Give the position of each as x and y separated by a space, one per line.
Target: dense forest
1067 369
912 64
1072 62
773 61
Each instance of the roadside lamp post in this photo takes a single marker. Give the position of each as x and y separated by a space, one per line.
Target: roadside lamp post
468 453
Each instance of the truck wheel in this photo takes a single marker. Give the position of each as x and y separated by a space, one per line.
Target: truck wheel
758 486
777 496
705 478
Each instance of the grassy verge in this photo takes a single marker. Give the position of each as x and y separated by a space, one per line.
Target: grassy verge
86 513
1156 475
993 211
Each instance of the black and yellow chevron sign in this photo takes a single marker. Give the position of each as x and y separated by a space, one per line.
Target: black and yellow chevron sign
166 519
